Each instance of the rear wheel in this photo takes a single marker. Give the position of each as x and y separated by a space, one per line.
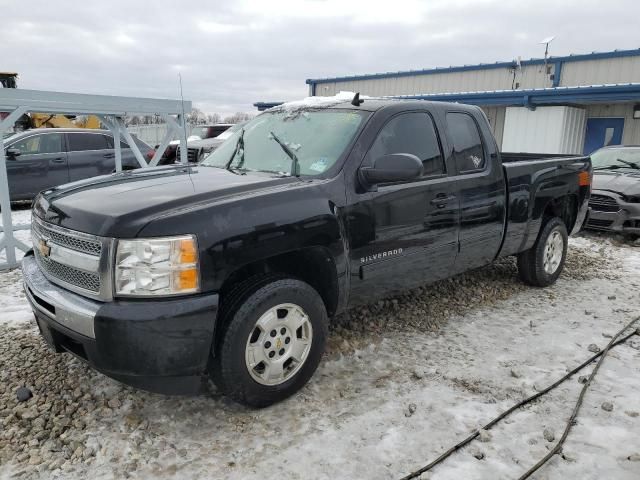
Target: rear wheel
272 342
542 264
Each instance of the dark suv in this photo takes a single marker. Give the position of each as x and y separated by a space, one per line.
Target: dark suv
42 158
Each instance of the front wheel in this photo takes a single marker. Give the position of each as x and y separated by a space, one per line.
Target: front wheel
272 343
542 264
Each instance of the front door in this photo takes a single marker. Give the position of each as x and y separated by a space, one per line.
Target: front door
40 164
602 132
403 234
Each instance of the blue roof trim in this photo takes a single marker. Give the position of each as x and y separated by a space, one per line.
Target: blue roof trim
528 98
539 96
481 66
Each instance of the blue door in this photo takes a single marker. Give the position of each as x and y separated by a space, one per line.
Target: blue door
602 132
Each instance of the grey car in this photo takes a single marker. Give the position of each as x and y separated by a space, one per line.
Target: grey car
43 158
615 197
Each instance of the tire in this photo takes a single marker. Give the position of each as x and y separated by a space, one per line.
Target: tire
242 367
542 264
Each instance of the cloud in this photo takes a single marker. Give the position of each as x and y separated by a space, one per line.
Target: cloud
232 54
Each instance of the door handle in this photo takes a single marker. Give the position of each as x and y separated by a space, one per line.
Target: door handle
109 155
57 160
442 199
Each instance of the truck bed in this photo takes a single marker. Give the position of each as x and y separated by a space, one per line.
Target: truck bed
532 180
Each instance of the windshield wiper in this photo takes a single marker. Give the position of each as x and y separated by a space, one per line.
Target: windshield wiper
631 164
289 152
239 147
608 167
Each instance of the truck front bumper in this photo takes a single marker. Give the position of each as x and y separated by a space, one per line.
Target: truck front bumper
159 345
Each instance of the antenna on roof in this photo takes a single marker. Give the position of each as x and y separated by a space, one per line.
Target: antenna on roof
546 43
356 102
517 67
184 119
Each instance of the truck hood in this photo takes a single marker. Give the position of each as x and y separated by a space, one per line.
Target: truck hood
120 205
624 182
205 143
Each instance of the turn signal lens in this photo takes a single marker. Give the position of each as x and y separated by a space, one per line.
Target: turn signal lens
188 279
188 252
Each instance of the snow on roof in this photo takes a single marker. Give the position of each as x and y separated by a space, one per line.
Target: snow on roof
315 102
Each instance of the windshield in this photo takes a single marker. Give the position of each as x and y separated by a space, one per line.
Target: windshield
615 157
316 138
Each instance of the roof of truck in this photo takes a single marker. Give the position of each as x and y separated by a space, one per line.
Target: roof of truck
369 104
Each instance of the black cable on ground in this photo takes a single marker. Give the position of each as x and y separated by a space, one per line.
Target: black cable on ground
572 419
613 343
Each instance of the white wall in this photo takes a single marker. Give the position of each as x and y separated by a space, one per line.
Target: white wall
554 129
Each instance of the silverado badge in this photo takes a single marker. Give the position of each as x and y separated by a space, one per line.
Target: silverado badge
44 248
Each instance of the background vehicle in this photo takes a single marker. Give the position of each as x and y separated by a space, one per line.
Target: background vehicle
615 201
232 267
198 133
198 149
43 158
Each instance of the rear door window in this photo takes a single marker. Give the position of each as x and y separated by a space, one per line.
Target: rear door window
468 152
412 133
79 142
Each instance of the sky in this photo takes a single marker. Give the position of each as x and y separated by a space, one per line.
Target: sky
232 54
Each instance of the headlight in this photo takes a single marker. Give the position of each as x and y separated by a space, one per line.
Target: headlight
157 266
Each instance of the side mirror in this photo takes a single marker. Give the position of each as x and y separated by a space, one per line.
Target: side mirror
395 167
12 153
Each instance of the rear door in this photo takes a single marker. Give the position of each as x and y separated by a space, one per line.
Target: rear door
90 154
480 187
403 234
42 164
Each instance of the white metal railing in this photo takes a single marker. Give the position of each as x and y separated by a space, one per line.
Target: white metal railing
111 111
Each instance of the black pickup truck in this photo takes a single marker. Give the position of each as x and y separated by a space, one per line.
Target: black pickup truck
231 268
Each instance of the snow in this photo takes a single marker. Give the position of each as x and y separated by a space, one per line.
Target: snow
349 421
315 102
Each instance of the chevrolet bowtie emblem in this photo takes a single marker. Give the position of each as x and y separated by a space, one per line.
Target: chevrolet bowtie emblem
278 343
44 248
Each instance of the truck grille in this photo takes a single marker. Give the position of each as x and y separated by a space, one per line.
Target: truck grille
86 272
602 203
81 245
192 155
73 276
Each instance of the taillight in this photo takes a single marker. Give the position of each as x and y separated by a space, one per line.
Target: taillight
584 179
150 154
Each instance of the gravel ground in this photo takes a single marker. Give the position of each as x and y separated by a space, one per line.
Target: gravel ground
403 379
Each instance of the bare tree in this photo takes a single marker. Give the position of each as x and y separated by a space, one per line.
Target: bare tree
238 117
196 116
213 118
